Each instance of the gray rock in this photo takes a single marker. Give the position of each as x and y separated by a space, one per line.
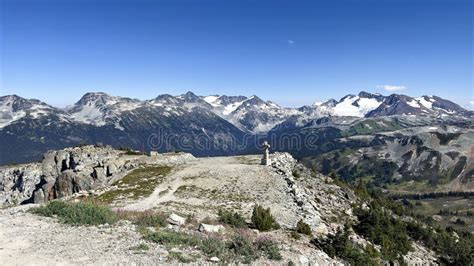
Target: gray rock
175 219
209 228
214 259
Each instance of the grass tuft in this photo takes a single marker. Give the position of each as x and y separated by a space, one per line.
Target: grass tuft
82 213
139 183
144 218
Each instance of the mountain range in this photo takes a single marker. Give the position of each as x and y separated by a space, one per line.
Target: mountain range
369 129
249 114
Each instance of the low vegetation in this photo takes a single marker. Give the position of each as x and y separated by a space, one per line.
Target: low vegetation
239 249
340 246
140 247
144 219
129 151
139 183
387 224
179 256
263 220
82 213
233 219
379 227
171 239
455 247
303 228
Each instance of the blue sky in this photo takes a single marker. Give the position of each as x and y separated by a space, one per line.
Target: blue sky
292 52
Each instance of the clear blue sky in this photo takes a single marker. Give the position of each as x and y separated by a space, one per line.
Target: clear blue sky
292 52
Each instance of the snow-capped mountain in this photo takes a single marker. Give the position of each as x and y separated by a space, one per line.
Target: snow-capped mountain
32 126
100 108
14 108
350 105
250 114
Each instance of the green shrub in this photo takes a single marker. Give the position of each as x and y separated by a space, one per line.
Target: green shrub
243 248
151 220
233 219
82 213
173 255
380 227
340 246
51 208
296 174
263 220
269 248
295 235
213 247
454 250
303 228
141 247
171 238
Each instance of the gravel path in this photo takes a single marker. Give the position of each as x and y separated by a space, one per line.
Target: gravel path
27 239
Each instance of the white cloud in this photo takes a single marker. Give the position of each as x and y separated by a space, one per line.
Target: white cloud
291 42
392 87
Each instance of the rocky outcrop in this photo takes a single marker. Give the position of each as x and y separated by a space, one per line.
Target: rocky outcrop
72 170
17 183
318 202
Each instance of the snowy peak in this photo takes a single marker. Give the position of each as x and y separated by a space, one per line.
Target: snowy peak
397 104
349 105
13 108
100 99
224 105
379 97
96 108
367 104
440 103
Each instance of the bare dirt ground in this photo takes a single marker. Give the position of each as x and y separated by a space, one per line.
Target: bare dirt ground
27 239
202 186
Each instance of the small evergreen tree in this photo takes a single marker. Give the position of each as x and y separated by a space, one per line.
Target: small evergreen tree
303 228
263 220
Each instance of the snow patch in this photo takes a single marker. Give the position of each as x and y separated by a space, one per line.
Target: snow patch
212 100
413 104
231 107
346 107
89 115
428 104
